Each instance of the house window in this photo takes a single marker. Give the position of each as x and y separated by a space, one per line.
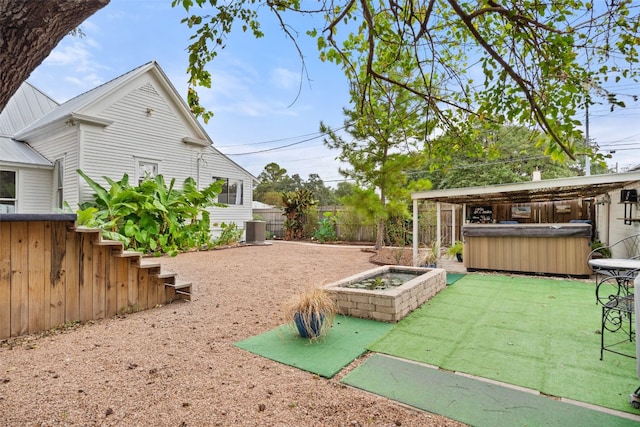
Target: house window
58 182
8 191
231 193
146 169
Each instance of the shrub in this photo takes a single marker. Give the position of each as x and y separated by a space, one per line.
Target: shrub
151 217
326 231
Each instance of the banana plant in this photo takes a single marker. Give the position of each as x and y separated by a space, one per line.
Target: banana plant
152 217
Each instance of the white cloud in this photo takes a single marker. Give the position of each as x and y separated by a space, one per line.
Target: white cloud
79 58
241 90
285 79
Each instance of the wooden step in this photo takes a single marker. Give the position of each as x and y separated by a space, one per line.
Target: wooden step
101 242
181 288
168 275
127 254
85 229
145 263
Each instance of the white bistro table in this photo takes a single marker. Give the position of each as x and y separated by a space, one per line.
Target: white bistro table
613 276
613 279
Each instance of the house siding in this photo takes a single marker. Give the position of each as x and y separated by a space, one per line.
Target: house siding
146 126
221 167
33 196
61 144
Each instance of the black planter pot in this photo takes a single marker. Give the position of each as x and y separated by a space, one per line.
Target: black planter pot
459 256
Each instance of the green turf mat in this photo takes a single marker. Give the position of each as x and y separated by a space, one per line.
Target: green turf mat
468 400
453 278
542 334
346 341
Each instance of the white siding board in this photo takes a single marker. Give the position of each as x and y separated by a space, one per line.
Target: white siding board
62 144
34 186
135 134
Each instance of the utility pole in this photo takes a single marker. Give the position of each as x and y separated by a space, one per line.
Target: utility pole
587 159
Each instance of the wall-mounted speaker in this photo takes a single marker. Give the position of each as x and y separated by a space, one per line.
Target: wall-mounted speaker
629 196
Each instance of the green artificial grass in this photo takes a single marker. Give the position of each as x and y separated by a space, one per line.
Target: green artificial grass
477 403
346 341
537 333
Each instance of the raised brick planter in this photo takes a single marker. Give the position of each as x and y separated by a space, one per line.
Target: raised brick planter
390 305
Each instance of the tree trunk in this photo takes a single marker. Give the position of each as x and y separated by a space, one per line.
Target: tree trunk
379 235
29 30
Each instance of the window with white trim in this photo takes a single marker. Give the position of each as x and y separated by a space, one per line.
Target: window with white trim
58 182
8 191
146 169
232 191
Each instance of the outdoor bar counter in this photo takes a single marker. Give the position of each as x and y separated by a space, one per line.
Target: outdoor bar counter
529 248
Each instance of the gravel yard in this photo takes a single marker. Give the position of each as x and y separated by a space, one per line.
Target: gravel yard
176 365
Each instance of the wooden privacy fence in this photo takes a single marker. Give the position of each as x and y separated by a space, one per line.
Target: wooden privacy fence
52 272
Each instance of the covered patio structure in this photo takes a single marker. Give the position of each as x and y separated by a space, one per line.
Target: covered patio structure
520 217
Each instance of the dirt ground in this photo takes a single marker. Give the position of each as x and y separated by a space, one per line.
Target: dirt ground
176 365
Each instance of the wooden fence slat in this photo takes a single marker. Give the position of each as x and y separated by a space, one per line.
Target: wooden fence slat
46 275
122 284
99 281
85 288
143 288
152 297
132 295
162 291
5 280
72 277
57 273
19 278
111 287
36 304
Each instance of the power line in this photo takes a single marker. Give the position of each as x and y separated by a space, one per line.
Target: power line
272 140
320 135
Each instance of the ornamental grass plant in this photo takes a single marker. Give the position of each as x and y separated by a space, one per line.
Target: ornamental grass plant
311 312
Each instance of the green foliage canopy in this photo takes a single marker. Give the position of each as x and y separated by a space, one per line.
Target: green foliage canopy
507 155
474 63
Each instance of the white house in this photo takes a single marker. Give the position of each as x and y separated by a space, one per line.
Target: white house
136 124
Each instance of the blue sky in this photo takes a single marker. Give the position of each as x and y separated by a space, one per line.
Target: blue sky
255 87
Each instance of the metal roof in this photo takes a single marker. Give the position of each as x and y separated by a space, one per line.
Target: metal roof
14 152
534 191
27 105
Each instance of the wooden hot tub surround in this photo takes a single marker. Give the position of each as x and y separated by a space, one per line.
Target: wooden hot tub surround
558 249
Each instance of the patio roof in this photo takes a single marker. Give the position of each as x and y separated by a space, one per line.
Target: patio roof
534 191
